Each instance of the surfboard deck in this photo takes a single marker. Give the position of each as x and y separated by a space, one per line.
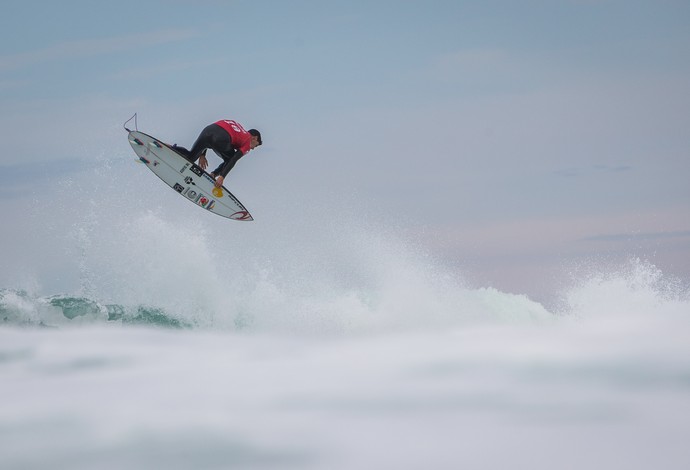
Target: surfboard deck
186 178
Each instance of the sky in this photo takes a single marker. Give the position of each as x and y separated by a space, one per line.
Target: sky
514 139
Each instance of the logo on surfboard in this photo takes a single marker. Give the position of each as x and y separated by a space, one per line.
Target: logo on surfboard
241 215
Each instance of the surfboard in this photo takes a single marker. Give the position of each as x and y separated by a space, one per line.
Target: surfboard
186 178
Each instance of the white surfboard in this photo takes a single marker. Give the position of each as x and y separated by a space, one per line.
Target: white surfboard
188 179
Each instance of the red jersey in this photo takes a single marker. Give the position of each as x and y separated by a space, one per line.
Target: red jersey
240 138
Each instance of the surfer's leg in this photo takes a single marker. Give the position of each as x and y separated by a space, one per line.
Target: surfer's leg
203 142
181 150
221 143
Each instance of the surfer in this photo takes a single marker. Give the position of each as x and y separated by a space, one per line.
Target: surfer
228 139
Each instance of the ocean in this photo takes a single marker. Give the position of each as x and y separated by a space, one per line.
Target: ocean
139 332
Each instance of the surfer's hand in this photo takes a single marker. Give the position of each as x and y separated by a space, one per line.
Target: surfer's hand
219 181
203 163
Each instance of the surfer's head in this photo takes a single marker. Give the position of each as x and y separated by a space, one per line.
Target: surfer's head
256 138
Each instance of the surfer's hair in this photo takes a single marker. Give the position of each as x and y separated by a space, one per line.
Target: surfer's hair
256 134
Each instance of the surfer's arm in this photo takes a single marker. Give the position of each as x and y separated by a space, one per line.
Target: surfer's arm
203 163
224 168
228 164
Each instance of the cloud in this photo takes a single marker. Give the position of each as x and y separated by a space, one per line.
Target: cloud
482 68
167 68
584 171
92 47
646 236
16 174
21 180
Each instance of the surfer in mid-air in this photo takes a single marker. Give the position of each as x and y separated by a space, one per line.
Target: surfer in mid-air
228 139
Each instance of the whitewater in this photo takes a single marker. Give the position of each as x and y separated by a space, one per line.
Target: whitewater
139 332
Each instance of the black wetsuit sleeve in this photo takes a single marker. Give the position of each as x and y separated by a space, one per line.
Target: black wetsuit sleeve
227 165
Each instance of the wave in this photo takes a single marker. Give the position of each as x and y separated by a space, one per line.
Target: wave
409 301
348 313
130 254
20 308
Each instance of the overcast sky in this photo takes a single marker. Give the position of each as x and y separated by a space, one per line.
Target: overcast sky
513 136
